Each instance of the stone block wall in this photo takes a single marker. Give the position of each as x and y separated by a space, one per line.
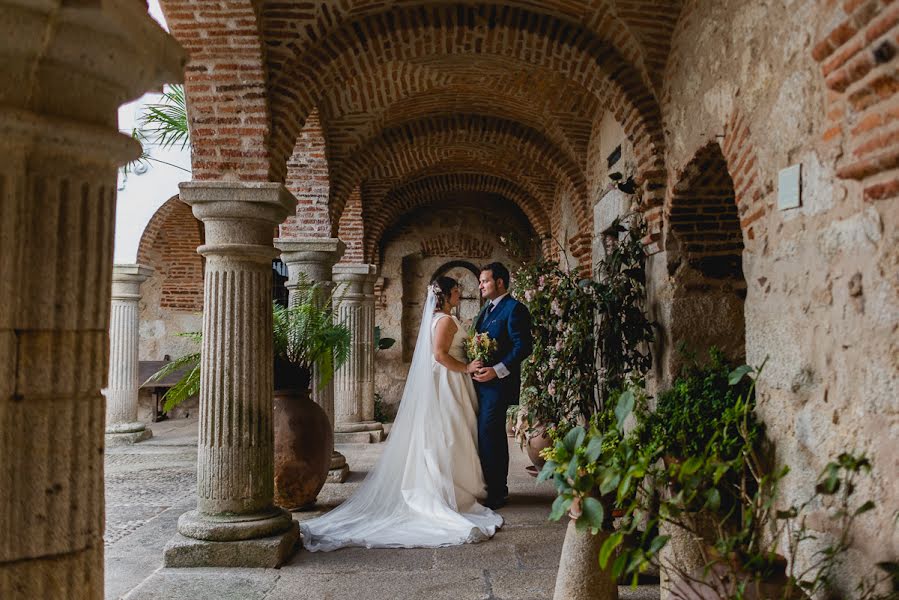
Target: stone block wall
755 85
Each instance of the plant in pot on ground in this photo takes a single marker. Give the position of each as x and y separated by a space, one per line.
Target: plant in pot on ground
754 551
595 469
590 336
304 336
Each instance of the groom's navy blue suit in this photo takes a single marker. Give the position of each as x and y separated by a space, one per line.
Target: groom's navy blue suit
509 323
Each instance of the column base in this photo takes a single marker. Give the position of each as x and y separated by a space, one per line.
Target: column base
231 527
363 432
339 470
127 438
262 553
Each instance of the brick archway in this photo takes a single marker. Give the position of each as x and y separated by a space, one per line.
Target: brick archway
704 242
439 188
409 149
169 245
515 34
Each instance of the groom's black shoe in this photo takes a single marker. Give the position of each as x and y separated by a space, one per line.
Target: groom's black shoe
496 503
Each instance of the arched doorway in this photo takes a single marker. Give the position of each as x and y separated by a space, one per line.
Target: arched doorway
705 248
467 275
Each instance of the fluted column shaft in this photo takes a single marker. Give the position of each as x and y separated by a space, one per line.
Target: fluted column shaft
124 336
354 383
313 259
235 463
60 148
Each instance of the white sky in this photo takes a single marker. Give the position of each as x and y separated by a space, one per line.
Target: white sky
140 196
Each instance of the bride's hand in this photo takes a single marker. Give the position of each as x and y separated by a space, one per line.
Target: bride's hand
474 365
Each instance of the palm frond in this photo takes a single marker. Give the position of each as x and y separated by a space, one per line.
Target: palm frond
167 121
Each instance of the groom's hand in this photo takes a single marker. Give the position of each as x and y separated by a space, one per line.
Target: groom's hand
484 375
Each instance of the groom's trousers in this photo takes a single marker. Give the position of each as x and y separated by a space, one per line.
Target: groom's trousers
493 447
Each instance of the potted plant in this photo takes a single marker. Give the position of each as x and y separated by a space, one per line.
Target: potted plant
304 336
590 336
595 469
753 552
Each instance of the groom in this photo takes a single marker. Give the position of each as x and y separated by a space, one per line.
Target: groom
507 321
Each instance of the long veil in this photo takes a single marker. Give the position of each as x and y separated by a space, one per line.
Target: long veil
408 499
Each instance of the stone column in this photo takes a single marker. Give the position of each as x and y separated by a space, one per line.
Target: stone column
236 523
314 258
65 67
122 426
354 383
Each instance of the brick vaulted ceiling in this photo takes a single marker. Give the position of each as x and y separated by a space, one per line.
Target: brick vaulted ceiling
416 99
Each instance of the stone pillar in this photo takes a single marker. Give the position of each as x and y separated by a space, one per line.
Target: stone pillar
236 523
354 383
65 67
315 258
122 426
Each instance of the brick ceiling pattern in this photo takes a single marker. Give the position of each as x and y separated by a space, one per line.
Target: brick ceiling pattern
406 89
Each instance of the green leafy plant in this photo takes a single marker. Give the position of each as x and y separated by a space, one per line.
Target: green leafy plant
164 124
304 335
740 495
590 337
699 408
597 468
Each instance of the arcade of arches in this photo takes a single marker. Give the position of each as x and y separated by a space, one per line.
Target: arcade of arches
387 142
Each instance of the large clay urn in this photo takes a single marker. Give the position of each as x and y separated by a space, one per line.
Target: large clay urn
538 439
304 442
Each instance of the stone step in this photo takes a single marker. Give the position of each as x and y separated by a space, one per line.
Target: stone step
359 437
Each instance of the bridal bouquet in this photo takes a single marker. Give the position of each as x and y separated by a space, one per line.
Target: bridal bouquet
479 346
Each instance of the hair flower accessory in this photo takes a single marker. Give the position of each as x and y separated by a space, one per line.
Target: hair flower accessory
434 289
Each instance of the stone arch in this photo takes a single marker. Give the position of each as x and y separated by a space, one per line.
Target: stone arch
704 242
169 245
426 190
226 86
510 32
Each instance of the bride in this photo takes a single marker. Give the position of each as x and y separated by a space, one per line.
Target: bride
424 490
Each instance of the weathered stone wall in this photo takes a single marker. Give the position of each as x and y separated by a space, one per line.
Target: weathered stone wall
821 289
414 251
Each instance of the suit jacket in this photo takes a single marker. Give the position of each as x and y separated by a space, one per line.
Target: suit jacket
510 325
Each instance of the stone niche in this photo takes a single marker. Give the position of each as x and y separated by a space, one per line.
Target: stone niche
455 239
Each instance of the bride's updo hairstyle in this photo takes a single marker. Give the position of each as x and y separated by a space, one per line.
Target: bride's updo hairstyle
443 287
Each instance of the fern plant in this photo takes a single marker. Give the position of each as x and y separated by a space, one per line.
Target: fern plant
304 336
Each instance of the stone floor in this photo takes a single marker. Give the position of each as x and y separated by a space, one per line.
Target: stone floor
150 484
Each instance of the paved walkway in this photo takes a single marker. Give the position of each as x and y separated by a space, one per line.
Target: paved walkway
150 484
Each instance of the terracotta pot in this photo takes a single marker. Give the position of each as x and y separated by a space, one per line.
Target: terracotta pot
304 442
538 439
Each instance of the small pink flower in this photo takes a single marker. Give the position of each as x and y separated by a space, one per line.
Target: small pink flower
556 308
559 345
551 388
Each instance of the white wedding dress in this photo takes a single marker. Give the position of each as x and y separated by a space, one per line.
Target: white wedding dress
424 490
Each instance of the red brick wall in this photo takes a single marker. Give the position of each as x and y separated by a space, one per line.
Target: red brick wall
702 213
351 230
169 245
858 61
307 179
225 85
